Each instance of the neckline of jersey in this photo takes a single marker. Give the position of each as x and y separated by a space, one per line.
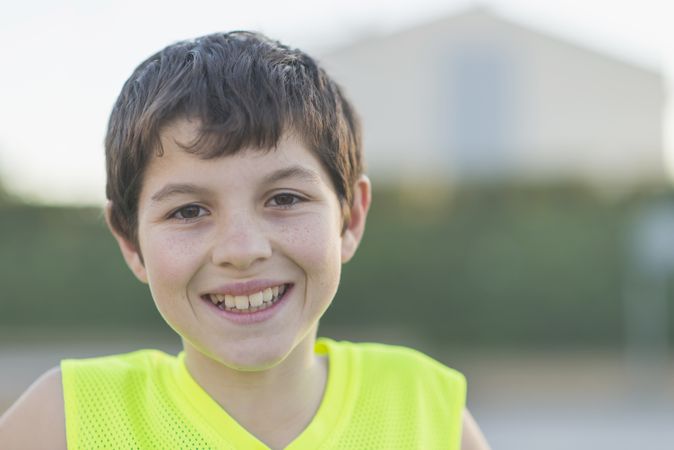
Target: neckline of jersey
337 397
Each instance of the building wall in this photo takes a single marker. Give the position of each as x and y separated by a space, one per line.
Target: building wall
474 96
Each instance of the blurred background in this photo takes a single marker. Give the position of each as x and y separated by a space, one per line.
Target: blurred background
522 229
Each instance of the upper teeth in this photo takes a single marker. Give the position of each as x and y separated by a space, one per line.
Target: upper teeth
255 300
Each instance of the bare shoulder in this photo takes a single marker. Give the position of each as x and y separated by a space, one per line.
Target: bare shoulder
37 419
472 438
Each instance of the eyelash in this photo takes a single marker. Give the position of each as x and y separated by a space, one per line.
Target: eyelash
296 199
179 211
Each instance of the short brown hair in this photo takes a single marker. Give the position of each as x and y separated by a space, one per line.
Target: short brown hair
246 91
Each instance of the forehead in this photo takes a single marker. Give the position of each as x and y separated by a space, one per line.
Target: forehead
178 159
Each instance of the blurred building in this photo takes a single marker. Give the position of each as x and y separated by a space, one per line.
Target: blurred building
476 97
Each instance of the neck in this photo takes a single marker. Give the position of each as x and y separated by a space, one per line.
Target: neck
274 404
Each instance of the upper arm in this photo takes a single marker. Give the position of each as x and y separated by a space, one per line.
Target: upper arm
37 419
471 436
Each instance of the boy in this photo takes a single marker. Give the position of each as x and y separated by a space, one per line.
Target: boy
236 191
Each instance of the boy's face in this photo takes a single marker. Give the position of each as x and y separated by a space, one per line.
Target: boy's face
241 226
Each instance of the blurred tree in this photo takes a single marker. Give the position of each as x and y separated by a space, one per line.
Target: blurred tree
496 265
4 196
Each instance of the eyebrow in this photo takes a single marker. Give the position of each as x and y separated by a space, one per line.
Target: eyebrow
297 172
177 188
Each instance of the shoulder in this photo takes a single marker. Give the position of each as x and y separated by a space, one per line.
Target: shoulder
111 380
137 362
415 377
37 419
471 435
402 361
401 389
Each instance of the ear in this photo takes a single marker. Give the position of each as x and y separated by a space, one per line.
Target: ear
362 196
130 251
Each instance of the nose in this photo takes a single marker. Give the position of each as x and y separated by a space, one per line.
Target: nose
240 242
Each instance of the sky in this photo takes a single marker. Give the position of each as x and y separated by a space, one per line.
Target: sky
64 62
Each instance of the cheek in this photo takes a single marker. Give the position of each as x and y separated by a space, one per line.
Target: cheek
315 244
170 259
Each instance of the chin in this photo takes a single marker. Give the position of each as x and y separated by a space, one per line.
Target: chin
254 358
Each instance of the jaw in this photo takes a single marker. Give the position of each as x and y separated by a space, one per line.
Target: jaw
253 355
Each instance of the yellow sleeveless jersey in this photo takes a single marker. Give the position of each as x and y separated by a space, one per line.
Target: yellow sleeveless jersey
377 397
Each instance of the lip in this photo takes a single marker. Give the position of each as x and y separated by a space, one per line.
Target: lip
246 318
245 287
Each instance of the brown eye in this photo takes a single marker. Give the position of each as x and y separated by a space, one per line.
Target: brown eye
285 200
189 212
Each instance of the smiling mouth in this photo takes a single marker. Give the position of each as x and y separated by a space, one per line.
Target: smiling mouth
257 301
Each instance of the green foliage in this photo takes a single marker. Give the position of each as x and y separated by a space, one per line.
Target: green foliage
60 267
494 265
4 195
483 265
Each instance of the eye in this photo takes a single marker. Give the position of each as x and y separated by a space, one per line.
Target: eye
285 200
189 212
